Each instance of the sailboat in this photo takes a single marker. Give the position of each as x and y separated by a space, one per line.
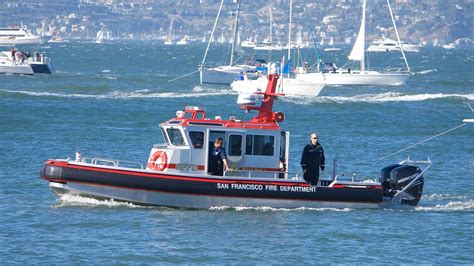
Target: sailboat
169 38
267 44
331 46
227 73
183 41
103 35
287 84
361 76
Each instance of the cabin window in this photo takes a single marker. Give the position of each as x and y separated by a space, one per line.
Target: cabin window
235 145
197 139
175 136
165 138
260 145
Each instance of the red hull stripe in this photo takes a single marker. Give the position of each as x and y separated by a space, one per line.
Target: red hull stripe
176 177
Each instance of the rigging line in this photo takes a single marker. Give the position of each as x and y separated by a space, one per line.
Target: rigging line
470 107
212 33
314 39
185 75
428 139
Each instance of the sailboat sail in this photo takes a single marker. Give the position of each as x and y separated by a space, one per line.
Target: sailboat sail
358 50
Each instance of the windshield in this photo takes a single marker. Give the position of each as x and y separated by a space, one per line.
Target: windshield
175 136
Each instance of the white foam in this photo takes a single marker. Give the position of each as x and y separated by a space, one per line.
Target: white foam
106 71
271 209
121 95
67 200
434 197
467 205
376 98
427 71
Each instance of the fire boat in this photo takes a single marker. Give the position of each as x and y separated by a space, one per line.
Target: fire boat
176 173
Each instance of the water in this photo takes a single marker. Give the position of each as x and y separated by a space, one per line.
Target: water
107 100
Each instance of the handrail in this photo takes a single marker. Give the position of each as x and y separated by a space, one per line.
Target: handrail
275 173
160 146
114 162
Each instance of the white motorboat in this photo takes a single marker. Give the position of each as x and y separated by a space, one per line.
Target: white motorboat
227 73
9 66
18 35
358 74
449 46
24 64
248 43
389 45
286 86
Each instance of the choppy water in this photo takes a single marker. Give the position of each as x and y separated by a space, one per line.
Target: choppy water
107 100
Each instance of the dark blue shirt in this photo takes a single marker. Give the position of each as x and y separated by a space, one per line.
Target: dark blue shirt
216 157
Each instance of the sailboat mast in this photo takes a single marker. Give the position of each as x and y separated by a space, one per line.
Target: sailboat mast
170 37
271 30
236 30
289 31
212 33
398 36
358 50
362 60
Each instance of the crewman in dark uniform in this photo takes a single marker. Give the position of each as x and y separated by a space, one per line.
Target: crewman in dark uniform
312 160
217 159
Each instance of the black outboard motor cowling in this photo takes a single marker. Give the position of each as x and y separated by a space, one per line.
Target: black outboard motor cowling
385 178
396 177
401 176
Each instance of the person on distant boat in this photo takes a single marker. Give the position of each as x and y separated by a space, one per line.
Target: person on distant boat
312 160
242 76
21 56
13 51
218 159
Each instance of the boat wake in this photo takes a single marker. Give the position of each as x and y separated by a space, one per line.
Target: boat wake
67 200
270 209
427 71
445 203
138 94
376 98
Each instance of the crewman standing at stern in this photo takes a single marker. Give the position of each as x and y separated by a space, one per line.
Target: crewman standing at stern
312 160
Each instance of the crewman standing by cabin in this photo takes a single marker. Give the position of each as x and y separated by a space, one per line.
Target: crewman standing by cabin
218 159
312 160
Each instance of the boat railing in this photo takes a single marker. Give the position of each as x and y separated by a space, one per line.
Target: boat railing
352 177
160 146
111 162
351 70
276 174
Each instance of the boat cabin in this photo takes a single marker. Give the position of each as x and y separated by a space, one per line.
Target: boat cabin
254 148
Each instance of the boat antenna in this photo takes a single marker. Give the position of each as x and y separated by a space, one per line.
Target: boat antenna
311 30
398 36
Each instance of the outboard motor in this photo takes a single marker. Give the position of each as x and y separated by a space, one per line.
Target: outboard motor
396 177
385 179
